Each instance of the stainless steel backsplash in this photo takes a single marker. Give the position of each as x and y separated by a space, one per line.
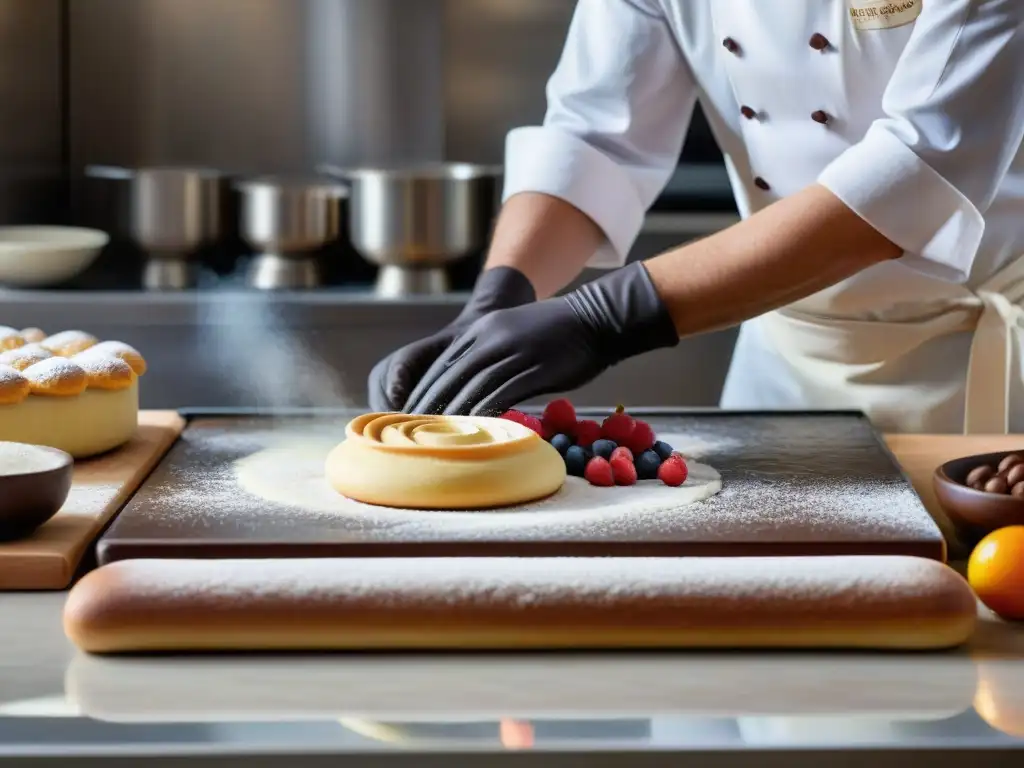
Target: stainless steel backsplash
31 111
275 85
261 85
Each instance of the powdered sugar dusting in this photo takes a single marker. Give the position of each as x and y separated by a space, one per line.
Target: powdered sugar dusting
102 365
108 348
780 584
9 375
785 479
22 357
9 336
53 370
64 340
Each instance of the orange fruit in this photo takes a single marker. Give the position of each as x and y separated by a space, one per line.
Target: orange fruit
995 571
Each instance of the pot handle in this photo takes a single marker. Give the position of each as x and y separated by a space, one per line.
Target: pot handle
336 172
112 172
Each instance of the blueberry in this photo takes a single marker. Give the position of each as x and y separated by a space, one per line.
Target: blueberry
562 443
604 448
647 464
663 449
575 461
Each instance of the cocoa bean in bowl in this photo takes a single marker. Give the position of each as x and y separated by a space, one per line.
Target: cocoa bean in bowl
982 493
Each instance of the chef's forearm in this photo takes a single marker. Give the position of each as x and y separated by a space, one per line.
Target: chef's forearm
796 247
545 238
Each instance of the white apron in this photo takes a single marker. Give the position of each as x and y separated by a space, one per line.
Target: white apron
817 361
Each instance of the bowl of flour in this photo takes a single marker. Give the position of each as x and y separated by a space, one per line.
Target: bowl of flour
34 484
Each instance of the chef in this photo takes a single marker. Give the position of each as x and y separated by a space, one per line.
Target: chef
874 150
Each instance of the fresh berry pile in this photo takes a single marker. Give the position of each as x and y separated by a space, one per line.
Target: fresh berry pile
619 451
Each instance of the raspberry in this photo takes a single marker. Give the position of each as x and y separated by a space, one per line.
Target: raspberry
641 438
559 416
622 452
599 472
622 468
586 433
673 471
525 419
618 427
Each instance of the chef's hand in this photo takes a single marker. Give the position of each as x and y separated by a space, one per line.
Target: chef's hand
394 377
555 345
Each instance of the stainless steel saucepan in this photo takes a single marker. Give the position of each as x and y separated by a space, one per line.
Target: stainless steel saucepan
285 219
174 212
412 221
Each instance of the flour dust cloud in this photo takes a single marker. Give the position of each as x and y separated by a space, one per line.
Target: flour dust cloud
251 349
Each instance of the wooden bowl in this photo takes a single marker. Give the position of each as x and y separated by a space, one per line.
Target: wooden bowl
975 513
31 497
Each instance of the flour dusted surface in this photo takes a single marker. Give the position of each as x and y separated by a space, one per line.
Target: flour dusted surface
788 479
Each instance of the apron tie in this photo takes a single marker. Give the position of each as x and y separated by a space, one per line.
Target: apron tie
990 366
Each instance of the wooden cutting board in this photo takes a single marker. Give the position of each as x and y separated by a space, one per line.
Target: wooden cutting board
49 558
919 455
252 486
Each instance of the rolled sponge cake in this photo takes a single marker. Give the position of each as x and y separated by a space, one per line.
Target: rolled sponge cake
876 602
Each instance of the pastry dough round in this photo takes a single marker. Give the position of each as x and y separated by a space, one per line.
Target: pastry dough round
442 462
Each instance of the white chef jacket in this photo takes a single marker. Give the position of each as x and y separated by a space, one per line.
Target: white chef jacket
910 111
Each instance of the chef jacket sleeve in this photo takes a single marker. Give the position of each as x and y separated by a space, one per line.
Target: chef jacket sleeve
925 174
619 105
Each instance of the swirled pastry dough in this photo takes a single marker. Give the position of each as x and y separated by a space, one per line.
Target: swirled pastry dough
442 462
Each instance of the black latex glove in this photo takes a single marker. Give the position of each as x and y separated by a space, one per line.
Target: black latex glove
393 378
550 346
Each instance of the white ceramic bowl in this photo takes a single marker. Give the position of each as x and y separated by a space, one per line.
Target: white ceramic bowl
34 257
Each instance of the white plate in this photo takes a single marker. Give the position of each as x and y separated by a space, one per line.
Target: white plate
32 257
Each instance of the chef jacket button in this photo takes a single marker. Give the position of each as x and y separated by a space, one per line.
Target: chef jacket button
762 184
748 112
820 116
819 42
731 45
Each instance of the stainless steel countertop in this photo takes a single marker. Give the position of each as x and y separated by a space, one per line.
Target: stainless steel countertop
625 709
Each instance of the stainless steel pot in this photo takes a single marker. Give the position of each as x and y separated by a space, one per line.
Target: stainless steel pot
174 212
413 221
285 219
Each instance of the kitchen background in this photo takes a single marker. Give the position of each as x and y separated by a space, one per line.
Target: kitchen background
256 87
